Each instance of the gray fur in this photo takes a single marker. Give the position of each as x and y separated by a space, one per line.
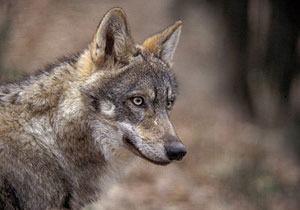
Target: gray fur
71 129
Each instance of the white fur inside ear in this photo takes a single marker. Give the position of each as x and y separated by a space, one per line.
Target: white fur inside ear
107 108
169 46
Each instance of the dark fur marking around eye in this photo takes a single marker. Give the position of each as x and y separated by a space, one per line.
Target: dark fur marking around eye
95 102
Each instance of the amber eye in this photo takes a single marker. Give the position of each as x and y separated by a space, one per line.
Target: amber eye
169 104
138 100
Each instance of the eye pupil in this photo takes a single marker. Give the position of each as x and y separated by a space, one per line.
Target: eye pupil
138 101
169 104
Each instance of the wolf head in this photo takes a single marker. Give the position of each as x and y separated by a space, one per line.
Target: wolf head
130 90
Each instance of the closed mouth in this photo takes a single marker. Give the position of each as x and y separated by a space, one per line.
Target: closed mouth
131 146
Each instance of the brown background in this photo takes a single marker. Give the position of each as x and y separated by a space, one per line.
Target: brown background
233 161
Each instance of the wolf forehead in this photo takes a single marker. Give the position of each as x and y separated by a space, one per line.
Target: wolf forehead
148 74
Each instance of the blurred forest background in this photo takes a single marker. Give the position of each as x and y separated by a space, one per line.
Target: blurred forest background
239 106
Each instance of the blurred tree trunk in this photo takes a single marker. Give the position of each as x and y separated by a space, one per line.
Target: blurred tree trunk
235 13
281 62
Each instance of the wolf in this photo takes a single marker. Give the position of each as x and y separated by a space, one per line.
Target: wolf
68 130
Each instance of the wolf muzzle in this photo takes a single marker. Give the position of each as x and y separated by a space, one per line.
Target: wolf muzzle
175 150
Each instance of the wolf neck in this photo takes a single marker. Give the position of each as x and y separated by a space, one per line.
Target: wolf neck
43 91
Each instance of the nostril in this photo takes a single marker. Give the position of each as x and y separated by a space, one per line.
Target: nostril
175 151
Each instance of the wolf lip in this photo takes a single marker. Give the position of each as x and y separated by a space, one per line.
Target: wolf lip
136 151
132 147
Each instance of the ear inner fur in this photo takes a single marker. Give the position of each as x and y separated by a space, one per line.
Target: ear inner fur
112 42
163 44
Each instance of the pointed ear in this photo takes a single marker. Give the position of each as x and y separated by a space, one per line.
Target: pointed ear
164 44
112 41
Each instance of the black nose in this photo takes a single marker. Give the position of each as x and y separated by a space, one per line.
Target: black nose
175 151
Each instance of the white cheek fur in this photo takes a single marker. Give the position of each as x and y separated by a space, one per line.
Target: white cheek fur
107 108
